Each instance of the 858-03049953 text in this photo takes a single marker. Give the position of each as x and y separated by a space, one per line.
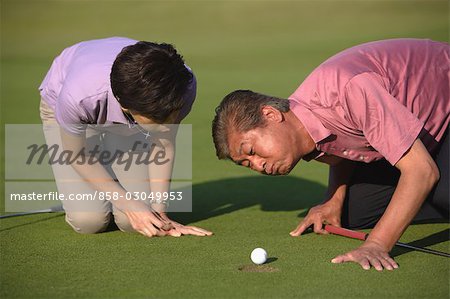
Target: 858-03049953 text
40 168
99 195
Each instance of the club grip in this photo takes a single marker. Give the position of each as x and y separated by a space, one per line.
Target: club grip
345 232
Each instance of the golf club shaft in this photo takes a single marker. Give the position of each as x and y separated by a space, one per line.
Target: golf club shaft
49 210
422 249
363 236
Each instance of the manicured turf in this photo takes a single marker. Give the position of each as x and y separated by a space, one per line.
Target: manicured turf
265 46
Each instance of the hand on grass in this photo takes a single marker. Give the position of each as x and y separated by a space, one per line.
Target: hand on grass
152 223
328 212
145 221
178 229
369 254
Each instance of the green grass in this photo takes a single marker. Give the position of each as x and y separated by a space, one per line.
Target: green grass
261 45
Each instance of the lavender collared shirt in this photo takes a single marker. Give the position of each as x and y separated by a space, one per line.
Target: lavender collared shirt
77 86
374 100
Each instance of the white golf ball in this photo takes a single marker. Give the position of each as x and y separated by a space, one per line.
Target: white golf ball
258 256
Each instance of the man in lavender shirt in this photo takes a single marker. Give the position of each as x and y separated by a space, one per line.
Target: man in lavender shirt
378 114
112 82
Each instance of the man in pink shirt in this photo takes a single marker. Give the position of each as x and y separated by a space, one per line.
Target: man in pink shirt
112 82
378 114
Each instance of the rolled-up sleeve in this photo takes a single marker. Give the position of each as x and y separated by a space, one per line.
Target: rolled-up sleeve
387 124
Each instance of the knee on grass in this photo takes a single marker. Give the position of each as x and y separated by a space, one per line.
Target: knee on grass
88 222
122 222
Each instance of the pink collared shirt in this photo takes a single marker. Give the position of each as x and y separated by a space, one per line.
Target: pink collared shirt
374 100
77 86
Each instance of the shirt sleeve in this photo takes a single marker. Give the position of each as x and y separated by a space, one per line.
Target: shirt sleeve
71 117
386 123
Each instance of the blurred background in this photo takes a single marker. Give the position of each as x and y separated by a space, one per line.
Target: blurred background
266 46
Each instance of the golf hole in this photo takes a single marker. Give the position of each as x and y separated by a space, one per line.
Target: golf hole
258 268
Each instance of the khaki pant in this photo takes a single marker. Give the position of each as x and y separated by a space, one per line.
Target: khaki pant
90 217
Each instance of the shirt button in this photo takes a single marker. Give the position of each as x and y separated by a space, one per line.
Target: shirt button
362 157
345 153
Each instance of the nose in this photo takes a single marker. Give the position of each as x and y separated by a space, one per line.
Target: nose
258 164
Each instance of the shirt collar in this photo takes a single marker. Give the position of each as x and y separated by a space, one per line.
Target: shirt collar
313 155
312 124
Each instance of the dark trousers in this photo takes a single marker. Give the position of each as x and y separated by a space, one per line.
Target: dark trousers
372 186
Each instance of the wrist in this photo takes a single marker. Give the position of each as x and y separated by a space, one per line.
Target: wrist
160 207
380 244
336 196
335 202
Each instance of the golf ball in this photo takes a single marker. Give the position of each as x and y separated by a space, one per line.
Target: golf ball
258 256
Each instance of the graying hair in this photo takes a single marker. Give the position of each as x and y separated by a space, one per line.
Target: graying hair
241 111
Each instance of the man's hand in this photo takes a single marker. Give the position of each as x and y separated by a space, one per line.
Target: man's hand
152 223
178 229
368 254
145 221
329 212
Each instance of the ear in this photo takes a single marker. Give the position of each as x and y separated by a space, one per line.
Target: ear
272 114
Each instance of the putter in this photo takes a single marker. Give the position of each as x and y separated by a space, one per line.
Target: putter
363 236
49 210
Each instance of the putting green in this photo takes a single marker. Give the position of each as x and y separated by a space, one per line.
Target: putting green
265 46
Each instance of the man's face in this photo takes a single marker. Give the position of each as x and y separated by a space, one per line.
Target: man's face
149 124
267 150
143 120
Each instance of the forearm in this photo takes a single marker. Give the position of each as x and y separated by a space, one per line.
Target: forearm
338 179
160 177
411 191
99 179
419 174
331 208
90 170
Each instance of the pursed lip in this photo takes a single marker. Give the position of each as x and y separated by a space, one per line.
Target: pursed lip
270 170
267 169
275 170
282 170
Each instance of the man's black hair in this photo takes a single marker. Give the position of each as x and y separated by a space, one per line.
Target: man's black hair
150 79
